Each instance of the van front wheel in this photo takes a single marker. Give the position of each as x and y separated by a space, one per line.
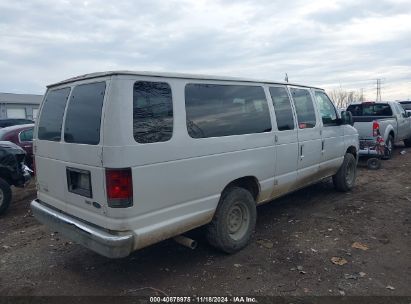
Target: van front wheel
234 221
344 179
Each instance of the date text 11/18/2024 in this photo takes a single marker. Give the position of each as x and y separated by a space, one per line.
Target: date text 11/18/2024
205 299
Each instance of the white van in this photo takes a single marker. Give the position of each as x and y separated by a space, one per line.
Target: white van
127 159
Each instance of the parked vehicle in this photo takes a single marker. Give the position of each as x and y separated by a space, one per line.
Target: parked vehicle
386 119
127 159
407 106
13 172
21 135
7 122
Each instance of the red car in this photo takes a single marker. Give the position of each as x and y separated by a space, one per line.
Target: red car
21 135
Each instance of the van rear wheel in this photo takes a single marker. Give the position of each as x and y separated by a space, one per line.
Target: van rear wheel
5 196
344 179
234 221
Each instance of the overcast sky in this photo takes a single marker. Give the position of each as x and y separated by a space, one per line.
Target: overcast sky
325 43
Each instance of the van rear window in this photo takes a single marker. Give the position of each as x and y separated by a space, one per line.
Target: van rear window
83 117
152 112
214 110
370 109
52 112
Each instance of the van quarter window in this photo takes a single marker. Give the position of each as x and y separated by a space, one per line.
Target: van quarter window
51 117
327 109
282 108
221 110
83 117
152 112
304 108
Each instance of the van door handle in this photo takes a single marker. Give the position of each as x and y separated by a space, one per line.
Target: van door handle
322 145
301 152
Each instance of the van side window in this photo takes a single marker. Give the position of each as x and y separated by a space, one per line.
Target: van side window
152 112
327 109
304 108
51 117
282 108
83 117
214 110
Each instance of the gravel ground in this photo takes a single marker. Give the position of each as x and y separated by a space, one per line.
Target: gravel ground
296 241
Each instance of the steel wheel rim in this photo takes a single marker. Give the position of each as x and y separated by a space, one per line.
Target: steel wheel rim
238 221
350 173
374 162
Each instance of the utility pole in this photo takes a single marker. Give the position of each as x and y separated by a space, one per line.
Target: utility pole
378 90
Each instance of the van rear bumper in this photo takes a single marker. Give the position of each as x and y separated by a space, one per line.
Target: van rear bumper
109 244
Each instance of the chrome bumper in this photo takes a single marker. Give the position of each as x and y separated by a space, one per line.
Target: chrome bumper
97 239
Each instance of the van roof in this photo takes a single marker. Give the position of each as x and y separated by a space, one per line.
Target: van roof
172 75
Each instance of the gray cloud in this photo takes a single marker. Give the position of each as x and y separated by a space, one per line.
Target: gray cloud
359 10
325 43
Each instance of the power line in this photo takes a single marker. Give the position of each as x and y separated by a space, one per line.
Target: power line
378 90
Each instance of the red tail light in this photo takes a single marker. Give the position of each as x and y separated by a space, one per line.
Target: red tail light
119 185
375 128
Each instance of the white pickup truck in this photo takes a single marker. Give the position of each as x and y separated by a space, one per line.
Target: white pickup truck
386 119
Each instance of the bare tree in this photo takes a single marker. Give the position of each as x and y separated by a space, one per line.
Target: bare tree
342 98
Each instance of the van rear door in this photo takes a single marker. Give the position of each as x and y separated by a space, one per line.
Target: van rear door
68 149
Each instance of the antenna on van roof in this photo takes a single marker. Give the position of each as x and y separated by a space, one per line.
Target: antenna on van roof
286 77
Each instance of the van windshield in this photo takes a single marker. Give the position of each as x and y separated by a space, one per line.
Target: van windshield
370 109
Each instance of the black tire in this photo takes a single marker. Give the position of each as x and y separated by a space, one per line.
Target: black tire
389 147
344 179
373 164
5 196
407 142
234 221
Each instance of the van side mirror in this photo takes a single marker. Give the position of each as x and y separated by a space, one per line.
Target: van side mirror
346 118
408 113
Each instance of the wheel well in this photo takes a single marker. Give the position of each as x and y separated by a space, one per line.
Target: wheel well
5 175
249 183
352 150
392 134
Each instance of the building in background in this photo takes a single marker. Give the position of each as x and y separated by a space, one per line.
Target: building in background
19 105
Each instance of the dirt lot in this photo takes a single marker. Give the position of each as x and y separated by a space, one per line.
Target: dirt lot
296 238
